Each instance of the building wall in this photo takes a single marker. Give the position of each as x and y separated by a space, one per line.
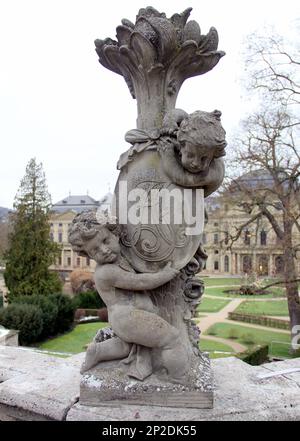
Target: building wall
260 251
68 260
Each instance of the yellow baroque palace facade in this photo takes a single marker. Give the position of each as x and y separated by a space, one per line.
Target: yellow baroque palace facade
257 249
63 213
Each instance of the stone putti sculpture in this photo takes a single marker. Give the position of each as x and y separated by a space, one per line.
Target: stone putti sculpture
149 249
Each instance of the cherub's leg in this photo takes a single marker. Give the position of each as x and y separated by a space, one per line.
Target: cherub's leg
150 330
111 349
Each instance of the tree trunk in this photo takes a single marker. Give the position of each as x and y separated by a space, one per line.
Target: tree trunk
291 284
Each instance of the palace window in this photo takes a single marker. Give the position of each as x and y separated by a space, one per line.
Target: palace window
216 238
247 264
247 237
263 237
226 238
216 265
60 237
226 264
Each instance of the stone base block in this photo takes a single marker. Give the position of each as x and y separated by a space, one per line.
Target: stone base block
107 384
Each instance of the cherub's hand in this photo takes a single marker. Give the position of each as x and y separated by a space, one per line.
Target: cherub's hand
170 272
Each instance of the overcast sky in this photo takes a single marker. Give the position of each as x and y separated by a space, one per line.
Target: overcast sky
58 104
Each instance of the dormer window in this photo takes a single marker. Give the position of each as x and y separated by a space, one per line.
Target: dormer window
82 201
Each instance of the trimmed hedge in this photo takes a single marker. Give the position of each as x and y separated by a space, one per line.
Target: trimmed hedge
65 315
48 309
55 310
260 320
28 319
88 300
255 356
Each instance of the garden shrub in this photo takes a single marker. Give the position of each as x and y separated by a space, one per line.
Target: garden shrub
65 314
260 320
88 300
255 356
49 312
295 353
25 318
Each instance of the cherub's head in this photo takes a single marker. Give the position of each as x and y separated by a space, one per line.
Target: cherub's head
95 235
201 138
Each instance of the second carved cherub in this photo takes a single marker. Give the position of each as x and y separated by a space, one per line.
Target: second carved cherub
192 147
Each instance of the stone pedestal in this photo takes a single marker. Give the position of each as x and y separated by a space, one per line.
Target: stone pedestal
108 385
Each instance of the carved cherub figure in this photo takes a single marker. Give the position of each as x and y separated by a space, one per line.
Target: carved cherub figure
193 158
131 312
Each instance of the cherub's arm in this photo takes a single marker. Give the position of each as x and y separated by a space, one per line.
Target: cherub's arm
175 171
120 278
214 177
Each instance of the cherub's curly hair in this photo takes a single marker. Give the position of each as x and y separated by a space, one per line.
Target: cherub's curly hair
203 129
86 225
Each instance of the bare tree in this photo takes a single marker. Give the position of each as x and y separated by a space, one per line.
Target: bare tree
269 187
273 66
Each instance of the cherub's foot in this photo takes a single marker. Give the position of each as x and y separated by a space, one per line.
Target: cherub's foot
90 358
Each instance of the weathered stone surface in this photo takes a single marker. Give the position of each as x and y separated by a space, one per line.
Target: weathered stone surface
9 337
38 383
51 387
108 384
239 396
8 413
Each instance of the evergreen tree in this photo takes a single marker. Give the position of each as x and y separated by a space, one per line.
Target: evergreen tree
31 250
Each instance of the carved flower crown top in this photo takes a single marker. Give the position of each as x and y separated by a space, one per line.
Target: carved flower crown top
172 48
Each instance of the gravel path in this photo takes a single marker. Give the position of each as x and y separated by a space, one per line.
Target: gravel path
204 323
220 316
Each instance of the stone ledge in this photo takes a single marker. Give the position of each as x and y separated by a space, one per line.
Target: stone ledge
48 387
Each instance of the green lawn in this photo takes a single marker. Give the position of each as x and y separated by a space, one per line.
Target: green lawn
211 281
212 305
215 349
278 307
219 292
250 336
235 282
74 341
